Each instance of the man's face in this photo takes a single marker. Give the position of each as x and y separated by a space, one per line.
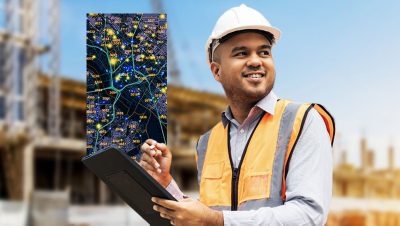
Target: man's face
245 68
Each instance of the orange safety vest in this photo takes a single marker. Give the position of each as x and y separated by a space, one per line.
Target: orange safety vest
264 163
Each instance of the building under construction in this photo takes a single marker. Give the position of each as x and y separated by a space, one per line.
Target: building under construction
42 116
42 126
366 181
19 94
56 163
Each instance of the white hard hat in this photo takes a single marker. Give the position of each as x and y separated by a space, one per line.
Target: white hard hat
237 19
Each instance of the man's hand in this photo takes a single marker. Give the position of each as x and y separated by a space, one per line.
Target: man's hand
156 160
187 212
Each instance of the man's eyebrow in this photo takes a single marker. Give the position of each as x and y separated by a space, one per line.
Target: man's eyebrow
239 48
265 46
243 48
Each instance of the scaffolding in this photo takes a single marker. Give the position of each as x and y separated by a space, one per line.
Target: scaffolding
20 44
173 70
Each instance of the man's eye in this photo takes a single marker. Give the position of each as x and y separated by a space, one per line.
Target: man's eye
241 54
265 53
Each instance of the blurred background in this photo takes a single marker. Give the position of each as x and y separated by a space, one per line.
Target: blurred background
342 54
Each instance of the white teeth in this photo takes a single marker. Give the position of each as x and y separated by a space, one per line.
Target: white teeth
255 75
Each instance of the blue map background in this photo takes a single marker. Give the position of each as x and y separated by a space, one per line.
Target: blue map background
126 81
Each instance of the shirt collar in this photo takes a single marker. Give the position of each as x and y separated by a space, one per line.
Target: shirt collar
266 104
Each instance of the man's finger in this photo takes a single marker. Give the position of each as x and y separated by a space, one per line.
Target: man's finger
172 205
146 158
145 148
151 164
163 148
158 153
165 216
148 167
150 160
164 211
150 142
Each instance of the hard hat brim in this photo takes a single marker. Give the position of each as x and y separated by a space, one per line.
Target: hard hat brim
274 31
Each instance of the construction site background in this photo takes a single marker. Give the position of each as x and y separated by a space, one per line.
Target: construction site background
42 140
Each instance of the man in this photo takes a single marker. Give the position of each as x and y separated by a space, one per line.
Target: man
269 161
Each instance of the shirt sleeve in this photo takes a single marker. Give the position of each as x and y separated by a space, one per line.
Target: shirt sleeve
174 190
308 183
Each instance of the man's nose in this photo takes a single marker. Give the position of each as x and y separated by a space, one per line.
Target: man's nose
254 60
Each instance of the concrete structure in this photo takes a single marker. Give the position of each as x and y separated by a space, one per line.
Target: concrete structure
20 46
366 181
57 165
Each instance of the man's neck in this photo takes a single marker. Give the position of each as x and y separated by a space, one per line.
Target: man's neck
240 111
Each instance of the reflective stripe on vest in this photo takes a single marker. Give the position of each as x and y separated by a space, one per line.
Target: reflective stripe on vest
260 178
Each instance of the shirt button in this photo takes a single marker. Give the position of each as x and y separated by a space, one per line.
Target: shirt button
242 131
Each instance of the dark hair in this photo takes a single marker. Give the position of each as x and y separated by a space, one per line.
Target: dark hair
269 36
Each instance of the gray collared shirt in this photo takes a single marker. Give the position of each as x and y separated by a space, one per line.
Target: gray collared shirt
240 133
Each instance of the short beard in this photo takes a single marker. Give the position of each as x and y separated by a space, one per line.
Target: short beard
241 100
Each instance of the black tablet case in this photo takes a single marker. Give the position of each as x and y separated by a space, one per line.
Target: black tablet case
130 181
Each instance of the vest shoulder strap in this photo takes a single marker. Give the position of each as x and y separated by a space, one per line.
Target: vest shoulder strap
298 125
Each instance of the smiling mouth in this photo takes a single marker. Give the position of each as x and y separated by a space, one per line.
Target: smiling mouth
254 75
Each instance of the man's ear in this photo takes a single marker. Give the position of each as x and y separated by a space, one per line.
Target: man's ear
215 69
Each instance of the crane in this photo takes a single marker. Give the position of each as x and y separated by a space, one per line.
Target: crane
173 70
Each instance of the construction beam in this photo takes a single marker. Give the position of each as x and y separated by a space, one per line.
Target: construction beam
54 65
22 41
28 175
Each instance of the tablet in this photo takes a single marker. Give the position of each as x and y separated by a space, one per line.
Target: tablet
130 181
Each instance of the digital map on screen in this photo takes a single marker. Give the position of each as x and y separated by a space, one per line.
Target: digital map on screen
126 81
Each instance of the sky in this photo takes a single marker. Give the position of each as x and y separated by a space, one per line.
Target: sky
342 54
